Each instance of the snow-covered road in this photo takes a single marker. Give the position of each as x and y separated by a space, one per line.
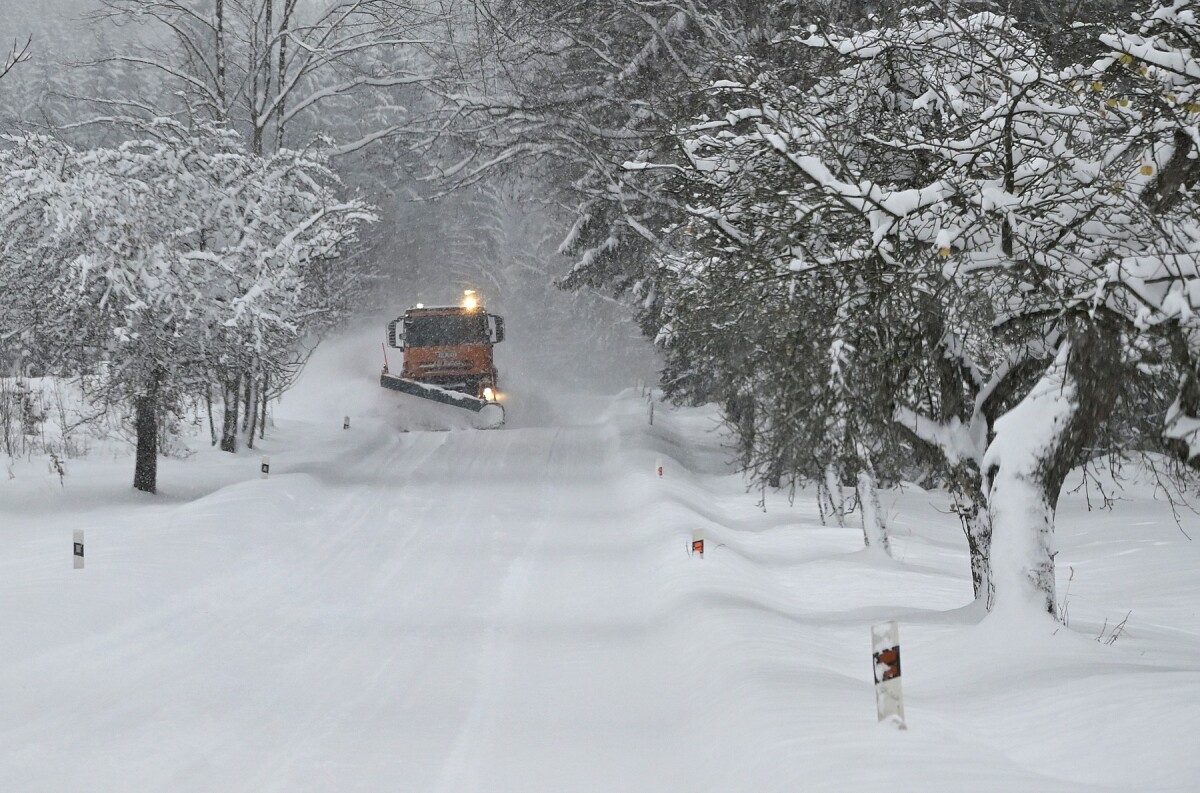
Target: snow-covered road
426 611
515 610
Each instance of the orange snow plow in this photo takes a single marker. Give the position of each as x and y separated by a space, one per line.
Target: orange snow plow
448 357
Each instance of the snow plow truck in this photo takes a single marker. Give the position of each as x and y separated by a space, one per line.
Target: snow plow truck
448 357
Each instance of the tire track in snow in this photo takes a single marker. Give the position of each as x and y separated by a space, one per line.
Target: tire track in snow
462 768
574 455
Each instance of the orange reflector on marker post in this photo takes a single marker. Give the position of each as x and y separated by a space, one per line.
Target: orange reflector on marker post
887 664
697 544
658 467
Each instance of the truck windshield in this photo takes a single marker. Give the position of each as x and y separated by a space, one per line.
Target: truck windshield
446 330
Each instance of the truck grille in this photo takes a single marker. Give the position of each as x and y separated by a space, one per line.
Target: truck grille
445 365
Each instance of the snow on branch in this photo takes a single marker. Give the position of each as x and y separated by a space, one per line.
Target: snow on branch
1181 427
957 442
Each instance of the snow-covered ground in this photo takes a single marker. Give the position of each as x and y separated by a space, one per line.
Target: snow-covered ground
516 610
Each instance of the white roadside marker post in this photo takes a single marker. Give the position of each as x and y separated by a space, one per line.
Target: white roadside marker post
658 467
346 423
266 467
697 543
885 649
651 414
78 549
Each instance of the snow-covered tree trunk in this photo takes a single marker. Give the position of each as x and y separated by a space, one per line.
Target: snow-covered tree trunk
1023 515
208 403
977 525
1037 443
837 498
250 412
874 530
145 472
266 398
247 387
229 425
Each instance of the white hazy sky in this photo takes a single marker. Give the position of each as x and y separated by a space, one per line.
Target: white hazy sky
55 25
17 13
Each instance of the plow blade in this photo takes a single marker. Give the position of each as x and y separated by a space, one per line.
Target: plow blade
491 414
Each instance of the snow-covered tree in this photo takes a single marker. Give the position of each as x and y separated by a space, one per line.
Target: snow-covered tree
278 71
336 75
171 259
1157 76
502 239
569 92
949 176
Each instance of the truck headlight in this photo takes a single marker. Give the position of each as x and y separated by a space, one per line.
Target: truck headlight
489 395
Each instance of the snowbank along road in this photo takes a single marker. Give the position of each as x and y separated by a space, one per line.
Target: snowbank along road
516 610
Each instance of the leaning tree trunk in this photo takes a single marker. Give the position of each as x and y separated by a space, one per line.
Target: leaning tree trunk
874 532
977 525
971 508
837 497
1037 444
145 470
212 428
229 423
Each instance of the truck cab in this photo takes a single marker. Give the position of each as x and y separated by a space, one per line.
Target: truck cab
450 346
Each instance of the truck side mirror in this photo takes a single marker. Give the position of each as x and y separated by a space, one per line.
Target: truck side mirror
495 328
395 333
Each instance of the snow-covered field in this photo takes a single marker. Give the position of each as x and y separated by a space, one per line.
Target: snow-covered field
516 610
